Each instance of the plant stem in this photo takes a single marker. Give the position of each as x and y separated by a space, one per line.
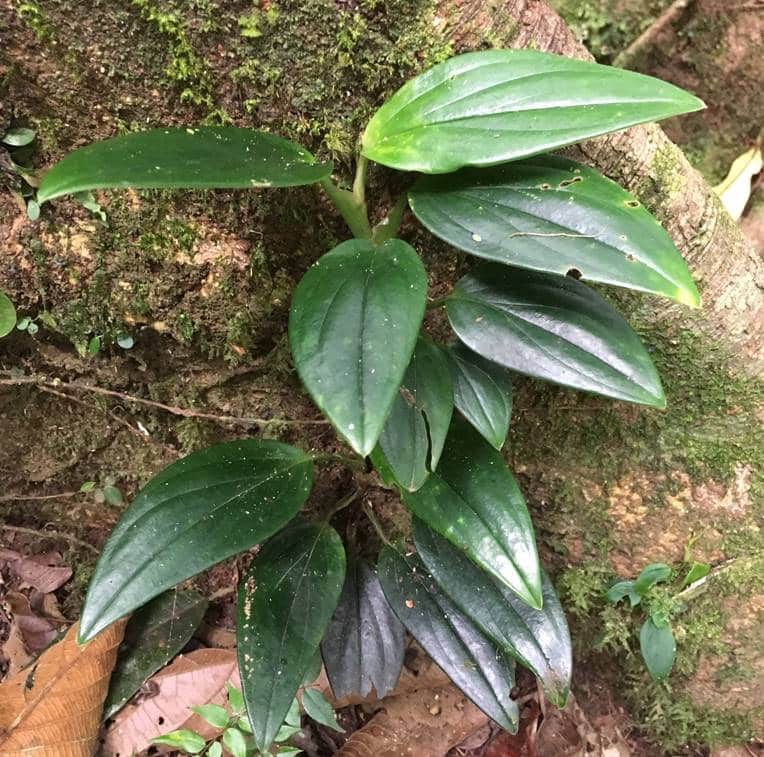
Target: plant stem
377 525
50 535
342 504
350 208
329 457
388 227
359 183
439 303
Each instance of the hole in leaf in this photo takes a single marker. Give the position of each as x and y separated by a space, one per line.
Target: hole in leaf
632 203
545 186
574 273
568 182
630 257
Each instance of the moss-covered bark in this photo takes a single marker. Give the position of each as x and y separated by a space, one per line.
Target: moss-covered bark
203 282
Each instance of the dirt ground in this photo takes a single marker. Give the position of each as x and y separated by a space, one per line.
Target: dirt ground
202 283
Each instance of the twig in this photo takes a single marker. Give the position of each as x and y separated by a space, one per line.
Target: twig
629 55
50 535
342 504
182 411
377 525
35 497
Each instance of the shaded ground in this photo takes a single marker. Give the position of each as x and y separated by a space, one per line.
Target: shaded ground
202 282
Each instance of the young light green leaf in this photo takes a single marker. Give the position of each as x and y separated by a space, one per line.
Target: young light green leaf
189 741
318 707
554 328
539 639
623 589
213 714
364 643
195 513
658 648
482 393
154 635
353 325
695 573
242 723
552 214
235 742
7 315
19 136
474 664
235 699
215 750
494 106
288 751
204 157
286 600
24 323
651 575
112 495
286 732
416 428
473 501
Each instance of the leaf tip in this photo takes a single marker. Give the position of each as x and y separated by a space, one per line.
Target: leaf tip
689 296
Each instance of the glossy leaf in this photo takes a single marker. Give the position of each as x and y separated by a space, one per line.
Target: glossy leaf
364 643
286 600
235 742
697 571
651 575
482 393
551 214
623 589
205 157
415 432
318 707
658 648
19 136
189 741
154 635
472 662
195 513
490 107
214 714
554 328
353 325
473 501
7 315
539 639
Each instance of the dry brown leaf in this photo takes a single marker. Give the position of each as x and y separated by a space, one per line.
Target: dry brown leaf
41 572
193 679
53 708
735 190
38 631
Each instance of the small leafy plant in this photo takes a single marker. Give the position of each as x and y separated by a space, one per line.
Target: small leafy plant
478 129
656 639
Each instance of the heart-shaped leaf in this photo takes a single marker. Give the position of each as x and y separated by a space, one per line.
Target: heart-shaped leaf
363 646
656 642
154 635
416 429
482 393
474 502
474 664
195 513
539 639
490 107
286 601
554 328
205 157
551 214
353 327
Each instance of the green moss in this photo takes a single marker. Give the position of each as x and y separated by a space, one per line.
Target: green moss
32 15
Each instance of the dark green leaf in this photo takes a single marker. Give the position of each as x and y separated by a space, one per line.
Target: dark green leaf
551 214
318 707
314 669
651 575
415 431
235 743
195 513
285 603
490 107
352 328
539 639
695 573
474 664
154 635
19 136
189 741
205 157
364 644
293 714
623 589
554 328
482 393
7 315
213 714
474 502
658 648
